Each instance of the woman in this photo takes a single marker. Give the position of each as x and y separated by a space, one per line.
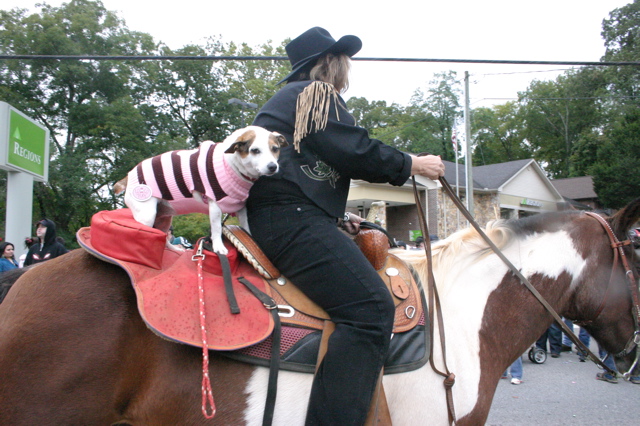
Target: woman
8 259
293 216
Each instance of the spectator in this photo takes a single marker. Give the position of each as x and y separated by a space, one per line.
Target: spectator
182 242
516 372
554 335
401 244
8 259
583 335
28 242
605 376
46 247
419 243
608 361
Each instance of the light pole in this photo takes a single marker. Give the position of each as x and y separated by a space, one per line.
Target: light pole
243 105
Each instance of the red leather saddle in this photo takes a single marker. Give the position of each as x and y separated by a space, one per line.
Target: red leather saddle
166 284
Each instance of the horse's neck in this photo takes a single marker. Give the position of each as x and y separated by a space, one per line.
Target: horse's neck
484 303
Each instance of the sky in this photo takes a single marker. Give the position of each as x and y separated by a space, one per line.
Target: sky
544 30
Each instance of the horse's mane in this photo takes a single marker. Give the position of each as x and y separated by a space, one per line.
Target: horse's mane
459 249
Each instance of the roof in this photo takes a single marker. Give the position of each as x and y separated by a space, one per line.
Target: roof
490 177
576 188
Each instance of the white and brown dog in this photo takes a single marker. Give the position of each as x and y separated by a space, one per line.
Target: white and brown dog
214 178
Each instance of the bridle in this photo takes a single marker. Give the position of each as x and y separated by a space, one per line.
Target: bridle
619 257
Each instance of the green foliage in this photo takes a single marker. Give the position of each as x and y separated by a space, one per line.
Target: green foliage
616 174
106 116
191 226
556 114
497 135
437 112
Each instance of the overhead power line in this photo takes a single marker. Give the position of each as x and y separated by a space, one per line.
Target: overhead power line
284 58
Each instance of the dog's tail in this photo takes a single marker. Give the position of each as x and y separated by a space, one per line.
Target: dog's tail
121 185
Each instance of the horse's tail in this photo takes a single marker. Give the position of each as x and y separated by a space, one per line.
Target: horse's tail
7 279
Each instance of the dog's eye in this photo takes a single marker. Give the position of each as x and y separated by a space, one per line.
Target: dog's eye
275 149
255 151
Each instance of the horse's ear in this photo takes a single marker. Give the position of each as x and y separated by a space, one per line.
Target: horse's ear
624 219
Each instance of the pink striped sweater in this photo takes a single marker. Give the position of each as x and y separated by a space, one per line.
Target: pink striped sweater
174 175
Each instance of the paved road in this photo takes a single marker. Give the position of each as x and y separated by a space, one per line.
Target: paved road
564 391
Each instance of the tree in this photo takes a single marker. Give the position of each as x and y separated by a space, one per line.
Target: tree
384 122
616 174
497 135
88 106
437 112
106 116
555 115
253 81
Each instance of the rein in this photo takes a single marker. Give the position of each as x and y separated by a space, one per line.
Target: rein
434 306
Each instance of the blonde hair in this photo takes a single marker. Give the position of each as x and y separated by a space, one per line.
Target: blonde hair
330 76
333 69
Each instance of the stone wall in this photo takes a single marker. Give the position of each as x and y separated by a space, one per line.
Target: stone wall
486 208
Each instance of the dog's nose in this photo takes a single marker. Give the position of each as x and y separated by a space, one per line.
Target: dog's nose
272 167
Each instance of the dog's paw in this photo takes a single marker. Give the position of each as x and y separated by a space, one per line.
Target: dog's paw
219 248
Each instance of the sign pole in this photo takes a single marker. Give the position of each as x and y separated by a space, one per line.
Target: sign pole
24 153
19 223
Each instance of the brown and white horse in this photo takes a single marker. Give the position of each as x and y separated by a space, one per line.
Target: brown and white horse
74 350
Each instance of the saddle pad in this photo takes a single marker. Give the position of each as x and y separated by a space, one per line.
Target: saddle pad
167 297
408 350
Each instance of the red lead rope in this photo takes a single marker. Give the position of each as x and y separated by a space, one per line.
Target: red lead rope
207 393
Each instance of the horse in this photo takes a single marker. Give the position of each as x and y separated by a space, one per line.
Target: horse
74 349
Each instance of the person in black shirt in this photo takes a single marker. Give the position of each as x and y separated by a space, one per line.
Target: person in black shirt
293 216
47 247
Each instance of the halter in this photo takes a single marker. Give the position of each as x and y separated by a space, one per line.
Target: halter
618 254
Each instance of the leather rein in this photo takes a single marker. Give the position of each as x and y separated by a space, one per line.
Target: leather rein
434 300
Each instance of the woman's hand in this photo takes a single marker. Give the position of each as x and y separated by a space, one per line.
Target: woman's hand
352 226
430 166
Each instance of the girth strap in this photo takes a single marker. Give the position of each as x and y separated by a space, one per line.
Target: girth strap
228 286
274 366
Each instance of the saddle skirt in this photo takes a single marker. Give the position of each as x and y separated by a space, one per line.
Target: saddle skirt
166 284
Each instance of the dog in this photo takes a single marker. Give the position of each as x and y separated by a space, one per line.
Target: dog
214 178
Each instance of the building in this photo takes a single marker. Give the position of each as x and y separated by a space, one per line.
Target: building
501 191
578 192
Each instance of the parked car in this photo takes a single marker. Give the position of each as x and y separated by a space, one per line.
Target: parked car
634 236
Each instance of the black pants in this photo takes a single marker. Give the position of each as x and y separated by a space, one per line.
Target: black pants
304 243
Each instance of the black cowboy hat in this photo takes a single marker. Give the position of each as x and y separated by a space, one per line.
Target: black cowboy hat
310 45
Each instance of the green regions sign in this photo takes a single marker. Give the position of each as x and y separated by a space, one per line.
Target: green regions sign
24 144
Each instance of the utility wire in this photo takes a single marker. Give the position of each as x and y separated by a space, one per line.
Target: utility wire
284 58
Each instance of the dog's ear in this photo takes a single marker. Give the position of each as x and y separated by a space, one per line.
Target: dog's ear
237 146
282 141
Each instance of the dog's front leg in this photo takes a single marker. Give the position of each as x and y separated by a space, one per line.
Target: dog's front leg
215 219
242 218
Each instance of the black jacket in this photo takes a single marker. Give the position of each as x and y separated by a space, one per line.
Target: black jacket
328 158
50 249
